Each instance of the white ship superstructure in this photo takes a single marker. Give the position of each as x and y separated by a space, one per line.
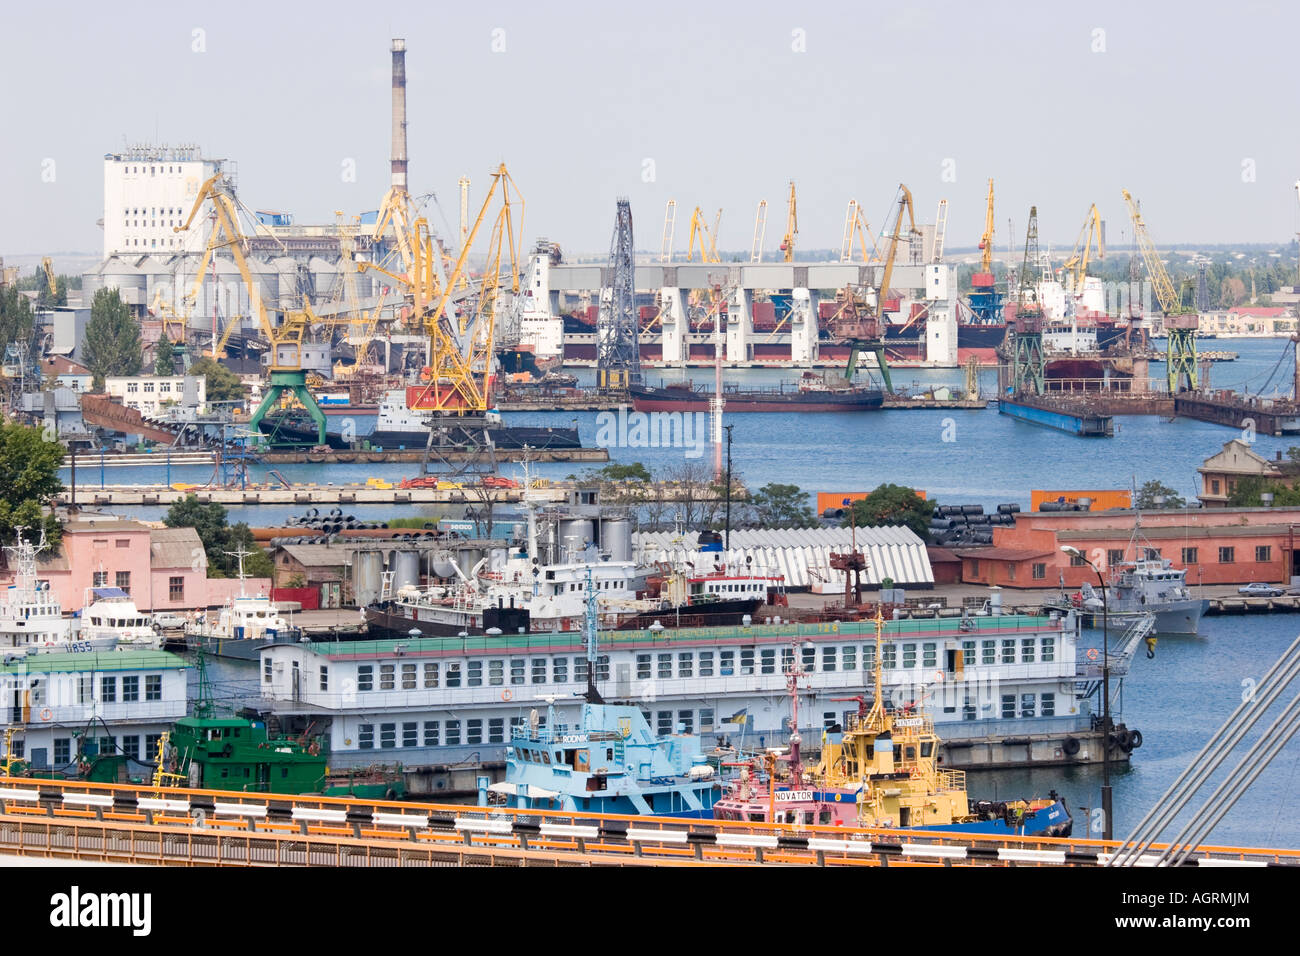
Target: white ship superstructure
439 700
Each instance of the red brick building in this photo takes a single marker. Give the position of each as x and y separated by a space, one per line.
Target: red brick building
1220 546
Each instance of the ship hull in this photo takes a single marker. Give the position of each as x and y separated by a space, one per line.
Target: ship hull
290 433
685 400
390 621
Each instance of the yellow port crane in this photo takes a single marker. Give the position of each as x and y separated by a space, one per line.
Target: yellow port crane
869 333
1076 267
708 240
457 379
986 240
286 340
1181 321
791 226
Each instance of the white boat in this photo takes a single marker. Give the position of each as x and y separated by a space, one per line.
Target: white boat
110 612
31 616
242 627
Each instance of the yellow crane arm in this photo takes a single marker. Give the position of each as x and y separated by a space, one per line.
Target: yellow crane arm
791 226
1076 267
904 205
986 240
1170 303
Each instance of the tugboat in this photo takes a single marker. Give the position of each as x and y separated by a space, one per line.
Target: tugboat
233 753
610 763
880 769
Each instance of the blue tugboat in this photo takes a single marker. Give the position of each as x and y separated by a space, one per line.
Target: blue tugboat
610 763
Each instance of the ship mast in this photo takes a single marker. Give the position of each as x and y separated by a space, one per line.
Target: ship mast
240 554
876 716
589 637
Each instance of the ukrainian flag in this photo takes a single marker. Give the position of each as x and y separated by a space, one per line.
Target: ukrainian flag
739 717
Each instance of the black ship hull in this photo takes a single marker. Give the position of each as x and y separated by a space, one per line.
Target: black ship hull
295 432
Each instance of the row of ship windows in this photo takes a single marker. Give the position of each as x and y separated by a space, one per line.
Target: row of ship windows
476 730
109 688
129 745
723 663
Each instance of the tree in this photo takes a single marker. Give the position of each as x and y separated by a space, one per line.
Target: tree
1249 491
29 481
16 320
894 505
1149 492
782 506
218 538
223 385
616 472
112 345
164 357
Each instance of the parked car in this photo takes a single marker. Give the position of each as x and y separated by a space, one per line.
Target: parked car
169 620
1259 589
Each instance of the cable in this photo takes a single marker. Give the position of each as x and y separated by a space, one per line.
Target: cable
1198 771
1260 756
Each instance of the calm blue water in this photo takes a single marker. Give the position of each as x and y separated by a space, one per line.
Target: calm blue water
1178 700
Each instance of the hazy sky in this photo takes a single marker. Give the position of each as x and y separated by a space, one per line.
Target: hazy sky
1188 105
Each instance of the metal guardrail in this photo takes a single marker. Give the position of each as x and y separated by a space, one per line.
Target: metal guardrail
86 821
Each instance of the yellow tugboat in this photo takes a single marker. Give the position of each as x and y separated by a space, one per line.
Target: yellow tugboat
880 769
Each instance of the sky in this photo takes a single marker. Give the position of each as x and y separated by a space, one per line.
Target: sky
1187 105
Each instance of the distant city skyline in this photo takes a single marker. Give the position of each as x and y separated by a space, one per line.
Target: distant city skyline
1182 105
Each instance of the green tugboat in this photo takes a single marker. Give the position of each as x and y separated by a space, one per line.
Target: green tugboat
233 753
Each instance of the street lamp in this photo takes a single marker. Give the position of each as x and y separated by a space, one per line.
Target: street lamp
1105 692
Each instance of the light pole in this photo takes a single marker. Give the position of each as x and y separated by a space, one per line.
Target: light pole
1105 693
727 524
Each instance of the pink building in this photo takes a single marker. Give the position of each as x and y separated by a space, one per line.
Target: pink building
161 568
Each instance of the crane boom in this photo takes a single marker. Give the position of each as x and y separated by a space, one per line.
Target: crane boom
760 232
707 240
1076 267
986 240
791 226
1168 297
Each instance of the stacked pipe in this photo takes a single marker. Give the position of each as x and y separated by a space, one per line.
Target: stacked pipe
968 524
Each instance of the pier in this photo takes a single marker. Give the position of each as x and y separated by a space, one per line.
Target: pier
124 824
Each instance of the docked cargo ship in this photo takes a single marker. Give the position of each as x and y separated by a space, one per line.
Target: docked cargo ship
398 426
812 394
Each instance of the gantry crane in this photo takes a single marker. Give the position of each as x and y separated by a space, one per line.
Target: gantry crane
791 226
708 240
1181 321
286 371
868 332
1028 368
457 379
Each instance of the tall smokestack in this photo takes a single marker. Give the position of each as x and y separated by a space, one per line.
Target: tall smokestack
399 114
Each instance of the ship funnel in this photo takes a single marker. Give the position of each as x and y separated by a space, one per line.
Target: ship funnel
399 114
